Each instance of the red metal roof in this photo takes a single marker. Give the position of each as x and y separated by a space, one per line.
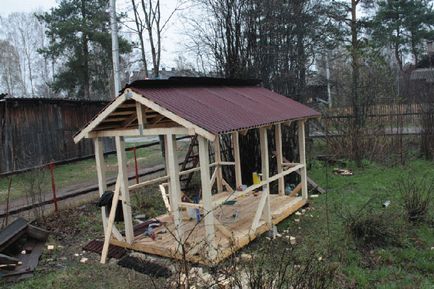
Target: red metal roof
223 108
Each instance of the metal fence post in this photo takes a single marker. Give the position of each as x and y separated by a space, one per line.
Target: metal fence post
53 185
135 165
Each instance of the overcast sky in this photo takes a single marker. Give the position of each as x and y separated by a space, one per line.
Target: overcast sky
9 6
172 43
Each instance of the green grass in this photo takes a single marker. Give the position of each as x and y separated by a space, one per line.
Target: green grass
408 266
80 172
321 230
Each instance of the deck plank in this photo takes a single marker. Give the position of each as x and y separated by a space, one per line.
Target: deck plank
165 245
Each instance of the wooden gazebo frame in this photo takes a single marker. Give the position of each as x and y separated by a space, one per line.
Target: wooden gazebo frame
132 114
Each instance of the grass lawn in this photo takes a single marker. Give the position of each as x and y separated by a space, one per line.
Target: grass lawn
320 232
80 172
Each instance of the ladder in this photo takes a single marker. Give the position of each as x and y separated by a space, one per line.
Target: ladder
191 161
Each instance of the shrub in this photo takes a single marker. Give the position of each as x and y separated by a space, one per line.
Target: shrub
370 228
416 194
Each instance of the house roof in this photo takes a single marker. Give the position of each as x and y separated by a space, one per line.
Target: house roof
426 74
217 105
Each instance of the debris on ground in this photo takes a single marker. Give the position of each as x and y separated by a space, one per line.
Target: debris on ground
21 246
246 257
83 260
386 204
145 266
113 251
343 172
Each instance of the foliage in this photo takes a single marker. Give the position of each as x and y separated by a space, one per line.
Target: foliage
79 33
403 25
417 194
371 229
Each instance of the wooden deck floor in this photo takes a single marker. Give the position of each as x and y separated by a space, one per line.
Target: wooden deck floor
235 219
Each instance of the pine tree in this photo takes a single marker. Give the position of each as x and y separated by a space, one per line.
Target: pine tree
403 25
79 31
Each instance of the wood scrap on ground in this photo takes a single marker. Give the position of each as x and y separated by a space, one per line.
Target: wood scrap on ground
20 236
343 172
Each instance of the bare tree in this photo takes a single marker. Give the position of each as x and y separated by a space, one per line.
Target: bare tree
26 34
10 74
149 20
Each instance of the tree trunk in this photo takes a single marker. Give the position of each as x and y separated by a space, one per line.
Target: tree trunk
85 47
357 115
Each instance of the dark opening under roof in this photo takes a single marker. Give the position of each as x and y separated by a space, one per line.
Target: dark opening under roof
191 82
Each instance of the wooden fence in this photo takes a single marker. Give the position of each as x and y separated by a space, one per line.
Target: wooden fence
389 115
34 132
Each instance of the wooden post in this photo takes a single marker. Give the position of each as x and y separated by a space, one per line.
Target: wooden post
302 153
265 172
218 160
279 157
174 185
100 171
206 195
237 159
110 221
126 203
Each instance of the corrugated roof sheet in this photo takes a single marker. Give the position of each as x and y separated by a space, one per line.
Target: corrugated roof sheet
219 107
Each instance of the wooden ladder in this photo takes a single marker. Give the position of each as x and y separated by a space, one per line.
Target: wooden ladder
191 161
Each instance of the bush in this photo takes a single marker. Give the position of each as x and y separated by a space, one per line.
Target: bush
370 228
416 194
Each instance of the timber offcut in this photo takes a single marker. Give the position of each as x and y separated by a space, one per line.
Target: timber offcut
226 216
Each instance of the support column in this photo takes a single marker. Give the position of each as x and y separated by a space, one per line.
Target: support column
279 157
218 160
265 172
100 171
237 159
302 153
123 177
174 184
206 195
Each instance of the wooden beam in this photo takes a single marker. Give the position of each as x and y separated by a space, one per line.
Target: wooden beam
123 174
206 196
218 160
228 187
185 172
175 186
296 190
190 205
183 122
101 174
248 190
137 132
165 199
279 157
148 182
112 107
237 159
213 177
302 153
140 119
265 164
225 231
110 222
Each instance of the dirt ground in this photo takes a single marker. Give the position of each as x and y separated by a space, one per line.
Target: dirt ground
70 230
